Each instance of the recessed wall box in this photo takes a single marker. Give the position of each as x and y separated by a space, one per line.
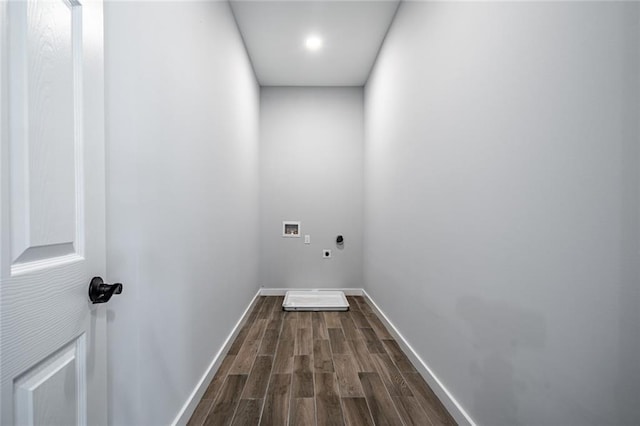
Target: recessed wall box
291 229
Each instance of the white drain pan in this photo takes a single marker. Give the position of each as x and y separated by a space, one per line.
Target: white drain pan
315 300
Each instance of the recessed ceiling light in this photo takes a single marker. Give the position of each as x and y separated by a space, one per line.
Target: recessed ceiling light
313 42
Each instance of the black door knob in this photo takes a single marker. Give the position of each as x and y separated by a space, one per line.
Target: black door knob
99 292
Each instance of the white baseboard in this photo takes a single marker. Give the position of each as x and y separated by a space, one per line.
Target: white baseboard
454 408
281 291
192 402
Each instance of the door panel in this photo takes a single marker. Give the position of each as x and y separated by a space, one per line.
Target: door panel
45 83
38 399
53 353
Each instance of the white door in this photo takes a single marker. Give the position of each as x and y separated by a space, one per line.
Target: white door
52 241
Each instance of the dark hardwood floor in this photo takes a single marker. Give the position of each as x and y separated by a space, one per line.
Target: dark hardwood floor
324 368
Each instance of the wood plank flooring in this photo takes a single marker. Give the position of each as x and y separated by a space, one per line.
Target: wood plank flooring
317 368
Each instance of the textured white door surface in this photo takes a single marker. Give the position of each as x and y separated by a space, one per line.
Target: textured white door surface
53 362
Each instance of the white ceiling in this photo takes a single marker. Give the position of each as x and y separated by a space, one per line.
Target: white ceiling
275 32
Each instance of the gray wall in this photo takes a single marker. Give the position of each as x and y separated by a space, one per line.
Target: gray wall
501 204
311 170
182 198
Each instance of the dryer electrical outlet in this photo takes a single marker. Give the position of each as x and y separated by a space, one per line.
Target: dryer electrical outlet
326 253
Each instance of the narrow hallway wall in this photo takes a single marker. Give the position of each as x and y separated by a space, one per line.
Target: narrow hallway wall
182 198
311 171
502 204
